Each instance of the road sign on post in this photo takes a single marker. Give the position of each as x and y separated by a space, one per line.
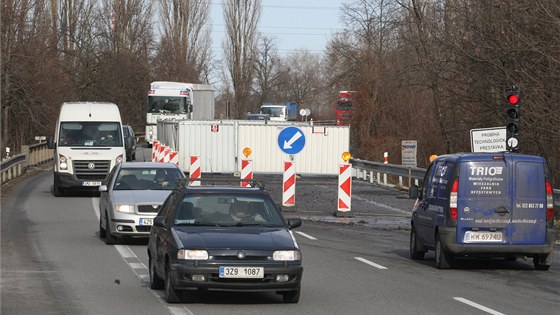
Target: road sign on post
408 156
291 140
488 139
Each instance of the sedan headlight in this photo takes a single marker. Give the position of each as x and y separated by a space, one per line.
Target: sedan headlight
286 255
192 254
125 208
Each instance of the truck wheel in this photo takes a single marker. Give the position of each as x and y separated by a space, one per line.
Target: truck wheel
416 250
443 259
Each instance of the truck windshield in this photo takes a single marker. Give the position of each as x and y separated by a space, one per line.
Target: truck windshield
90 134
167 104
273 111
343 105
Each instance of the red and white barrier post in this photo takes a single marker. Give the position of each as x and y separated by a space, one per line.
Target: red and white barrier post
174 157
289 185
385 160
155 145
194 170
344 187
246 168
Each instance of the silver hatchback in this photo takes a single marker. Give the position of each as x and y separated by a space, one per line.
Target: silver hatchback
130 197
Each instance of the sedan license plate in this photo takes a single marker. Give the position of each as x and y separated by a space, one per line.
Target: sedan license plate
146 221
241 272
482 237
91 184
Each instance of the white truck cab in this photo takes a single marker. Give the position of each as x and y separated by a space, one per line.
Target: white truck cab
88 143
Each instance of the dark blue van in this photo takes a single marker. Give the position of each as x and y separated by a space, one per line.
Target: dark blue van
484 205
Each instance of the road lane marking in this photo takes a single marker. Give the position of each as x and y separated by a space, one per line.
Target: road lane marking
381 205
140 270
478 306
370 263
306 235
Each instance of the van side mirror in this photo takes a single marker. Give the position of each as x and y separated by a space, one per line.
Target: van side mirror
414 192
50 143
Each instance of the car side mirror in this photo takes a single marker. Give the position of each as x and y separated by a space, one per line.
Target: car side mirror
103 188
159 221
294 223
414 192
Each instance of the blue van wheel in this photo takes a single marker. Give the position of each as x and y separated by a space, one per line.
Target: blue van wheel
540 262
416 250
443 259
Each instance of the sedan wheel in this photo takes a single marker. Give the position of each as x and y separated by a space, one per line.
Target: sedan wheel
173 296
291 296
156 283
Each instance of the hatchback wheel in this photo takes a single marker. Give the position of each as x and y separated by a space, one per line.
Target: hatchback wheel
110 239
101 229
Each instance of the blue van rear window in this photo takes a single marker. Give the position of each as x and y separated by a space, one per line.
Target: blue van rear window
529 179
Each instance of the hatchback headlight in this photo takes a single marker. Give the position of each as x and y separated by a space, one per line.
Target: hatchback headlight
125 208
192 254
286 255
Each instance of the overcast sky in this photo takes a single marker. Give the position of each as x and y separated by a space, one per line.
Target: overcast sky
295 24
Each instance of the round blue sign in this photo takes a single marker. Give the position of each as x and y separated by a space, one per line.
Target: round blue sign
291 140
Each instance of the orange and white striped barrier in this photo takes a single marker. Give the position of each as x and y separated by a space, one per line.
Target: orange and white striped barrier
246 172
344 190
289 186
194 170
166 154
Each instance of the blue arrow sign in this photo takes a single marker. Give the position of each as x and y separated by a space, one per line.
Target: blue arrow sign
291 140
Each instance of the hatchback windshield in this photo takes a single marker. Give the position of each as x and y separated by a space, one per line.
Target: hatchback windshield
227 210
147 179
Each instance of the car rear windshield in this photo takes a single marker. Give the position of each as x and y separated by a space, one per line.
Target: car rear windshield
227 210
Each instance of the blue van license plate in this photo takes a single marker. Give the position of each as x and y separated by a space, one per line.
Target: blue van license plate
482 237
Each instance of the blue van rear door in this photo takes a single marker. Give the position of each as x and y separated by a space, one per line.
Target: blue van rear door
484 201
528 225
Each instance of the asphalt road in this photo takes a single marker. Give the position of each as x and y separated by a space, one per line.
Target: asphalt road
53 262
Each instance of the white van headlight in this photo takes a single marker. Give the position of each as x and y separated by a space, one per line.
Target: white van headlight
119 159
62 162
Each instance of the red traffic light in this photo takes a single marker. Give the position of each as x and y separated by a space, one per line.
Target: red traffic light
513 98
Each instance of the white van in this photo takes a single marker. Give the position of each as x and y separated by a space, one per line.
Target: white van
88 143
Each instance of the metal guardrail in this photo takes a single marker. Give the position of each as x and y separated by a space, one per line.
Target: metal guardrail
32 155
373 170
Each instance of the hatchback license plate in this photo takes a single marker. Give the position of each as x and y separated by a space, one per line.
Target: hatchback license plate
241 272
146 221
482 237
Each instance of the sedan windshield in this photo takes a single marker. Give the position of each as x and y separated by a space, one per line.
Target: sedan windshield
227 210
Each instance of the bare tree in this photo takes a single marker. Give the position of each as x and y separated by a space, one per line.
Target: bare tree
184 49
266 70
241 18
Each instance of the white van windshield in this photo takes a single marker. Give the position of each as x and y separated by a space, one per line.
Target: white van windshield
90 134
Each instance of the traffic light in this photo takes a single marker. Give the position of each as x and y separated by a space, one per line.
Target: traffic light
512 123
